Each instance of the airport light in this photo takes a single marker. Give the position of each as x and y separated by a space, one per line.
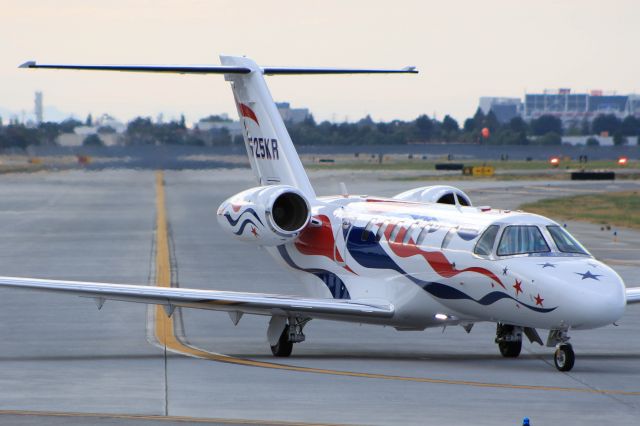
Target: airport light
554 161
622 161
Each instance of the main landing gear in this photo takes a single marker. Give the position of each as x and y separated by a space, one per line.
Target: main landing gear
291 333
509 340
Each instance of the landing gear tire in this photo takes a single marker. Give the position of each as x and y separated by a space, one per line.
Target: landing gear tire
510 349
284 347
564 358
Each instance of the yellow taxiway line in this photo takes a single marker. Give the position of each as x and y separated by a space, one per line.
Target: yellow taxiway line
157 418
165 331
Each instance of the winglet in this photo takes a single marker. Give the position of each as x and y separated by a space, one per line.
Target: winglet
411 69
28 64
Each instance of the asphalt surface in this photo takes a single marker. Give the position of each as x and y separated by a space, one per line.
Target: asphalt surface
64 362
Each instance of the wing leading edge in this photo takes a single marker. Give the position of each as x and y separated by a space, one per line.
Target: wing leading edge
250 303
633 295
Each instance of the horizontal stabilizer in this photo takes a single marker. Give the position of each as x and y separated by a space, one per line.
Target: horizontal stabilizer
218 69
292 71
191 69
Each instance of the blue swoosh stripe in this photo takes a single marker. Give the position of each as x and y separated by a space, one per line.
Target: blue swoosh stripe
370 254
234 222
244 224
442 291
332 281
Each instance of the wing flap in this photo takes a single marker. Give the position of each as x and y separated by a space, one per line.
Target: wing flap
252 303
633 295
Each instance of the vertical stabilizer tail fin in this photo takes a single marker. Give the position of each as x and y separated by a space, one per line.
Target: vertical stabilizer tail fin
272 155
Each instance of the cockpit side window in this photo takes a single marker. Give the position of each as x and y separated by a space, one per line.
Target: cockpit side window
522 239
564 241
484 245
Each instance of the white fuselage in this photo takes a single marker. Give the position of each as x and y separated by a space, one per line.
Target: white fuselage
420 257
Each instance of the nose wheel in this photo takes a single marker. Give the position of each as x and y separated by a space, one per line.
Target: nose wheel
564 357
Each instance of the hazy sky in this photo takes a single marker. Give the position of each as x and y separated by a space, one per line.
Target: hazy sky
463 49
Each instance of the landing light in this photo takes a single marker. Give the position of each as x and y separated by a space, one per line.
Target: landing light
442 317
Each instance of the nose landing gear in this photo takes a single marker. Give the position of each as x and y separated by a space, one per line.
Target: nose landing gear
564 358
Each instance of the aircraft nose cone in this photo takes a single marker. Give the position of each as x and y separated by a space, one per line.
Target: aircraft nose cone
600 295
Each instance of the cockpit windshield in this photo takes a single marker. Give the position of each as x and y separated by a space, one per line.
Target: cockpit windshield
564 241
485 243
522 239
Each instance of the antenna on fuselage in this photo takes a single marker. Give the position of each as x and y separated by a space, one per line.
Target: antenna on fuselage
458 205
343 190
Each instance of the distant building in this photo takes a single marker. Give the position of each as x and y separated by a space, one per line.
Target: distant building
574 109
215 123
504 108
38 108
292 115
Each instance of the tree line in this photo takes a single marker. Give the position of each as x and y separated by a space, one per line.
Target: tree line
481 128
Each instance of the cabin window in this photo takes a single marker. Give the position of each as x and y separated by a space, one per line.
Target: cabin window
484 247
564 241
409 233
521 239
422 235
448 237
380 231
396 229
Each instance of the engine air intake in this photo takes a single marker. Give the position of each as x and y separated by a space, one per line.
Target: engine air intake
290 212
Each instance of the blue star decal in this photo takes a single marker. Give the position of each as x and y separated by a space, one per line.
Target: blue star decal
589 275
547 265
504 271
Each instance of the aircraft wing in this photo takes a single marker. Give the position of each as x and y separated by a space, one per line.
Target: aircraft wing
230 301
633 295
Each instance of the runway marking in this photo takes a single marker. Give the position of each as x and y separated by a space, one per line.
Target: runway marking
165 331
178 419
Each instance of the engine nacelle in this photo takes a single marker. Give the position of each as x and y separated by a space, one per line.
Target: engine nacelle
265 215
435 194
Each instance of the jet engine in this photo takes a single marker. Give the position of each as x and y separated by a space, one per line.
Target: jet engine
435 194
265 215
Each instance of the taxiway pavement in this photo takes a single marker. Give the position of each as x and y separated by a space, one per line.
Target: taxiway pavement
61 355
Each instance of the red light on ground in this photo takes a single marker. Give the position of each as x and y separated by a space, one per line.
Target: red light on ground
485 133
622 161
554 161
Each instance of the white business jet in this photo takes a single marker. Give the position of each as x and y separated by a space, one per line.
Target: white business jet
424 258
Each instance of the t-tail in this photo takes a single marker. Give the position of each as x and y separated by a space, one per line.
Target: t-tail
271 152
273 157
